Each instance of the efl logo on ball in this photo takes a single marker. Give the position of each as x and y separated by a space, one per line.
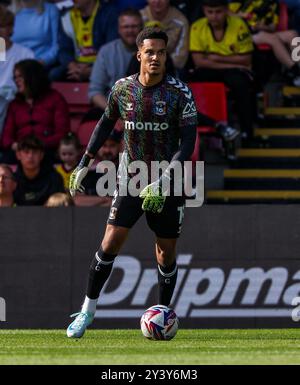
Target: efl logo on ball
159 323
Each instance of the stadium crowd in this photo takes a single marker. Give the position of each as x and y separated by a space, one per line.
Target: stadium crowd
93 41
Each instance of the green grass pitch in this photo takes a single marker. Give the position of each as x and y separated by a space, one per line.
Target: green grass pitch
122 347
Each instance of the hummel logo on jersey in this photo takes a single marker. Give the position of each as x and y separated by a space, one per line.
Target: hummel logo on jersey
189 110
160 108
129 107
147 126
182 87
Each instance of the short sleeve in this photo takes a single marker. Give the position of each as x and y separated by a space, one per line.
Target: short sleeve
196 38
245 44
112 110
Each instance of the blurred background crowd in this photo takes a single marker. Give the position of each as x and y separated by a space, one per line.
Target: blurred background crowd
62 58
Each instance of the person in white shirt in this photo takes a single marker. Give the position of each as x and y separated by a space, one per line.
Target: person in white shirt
14 53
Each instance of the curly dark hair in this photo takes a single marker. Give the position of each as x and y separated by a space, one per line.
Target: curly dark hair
151 33
215 3
31 142
35 77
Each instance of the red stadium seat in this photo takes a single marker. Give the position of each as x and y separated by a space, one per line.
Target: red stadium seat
76 95
283 24
210 99
85 131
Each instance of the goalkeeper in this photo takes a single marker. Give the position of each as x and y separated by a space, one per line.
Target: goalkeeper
160 121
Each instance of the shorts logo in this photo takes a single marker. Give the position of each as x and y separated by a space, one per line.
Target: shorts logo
160 108
113 213
189 110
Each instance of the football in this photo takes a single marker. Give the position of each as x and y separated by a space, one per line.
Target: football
159 323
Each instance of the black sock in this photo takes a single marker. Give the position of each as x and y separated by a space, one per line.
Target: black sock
167 277
100 270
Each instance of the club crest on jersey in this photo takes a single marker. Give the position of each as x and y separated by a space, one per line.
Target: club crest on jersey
160 108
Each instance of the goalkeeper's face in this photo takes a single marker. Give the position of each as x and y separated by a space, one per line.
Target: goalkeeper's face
152 56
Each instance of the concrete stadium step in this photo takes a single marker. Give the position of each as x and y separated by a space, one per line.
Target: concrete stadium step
285 158
270 132
279 137
289 91
257 179
287 112
273 121
252 196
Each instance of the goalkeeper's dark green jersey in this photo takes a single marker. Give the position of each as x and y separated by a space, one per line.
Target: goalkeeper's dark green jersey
155 118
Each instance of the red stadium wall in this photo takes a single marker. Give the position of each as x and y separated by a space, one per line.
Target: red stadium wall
238 267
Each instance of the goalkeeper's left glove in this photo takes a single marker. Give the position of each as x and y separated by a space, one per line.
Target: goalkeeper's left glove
154 199
79 174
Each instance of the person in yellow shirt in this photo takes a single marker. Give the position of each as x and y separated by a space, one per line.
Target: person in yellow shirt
262 17
221 49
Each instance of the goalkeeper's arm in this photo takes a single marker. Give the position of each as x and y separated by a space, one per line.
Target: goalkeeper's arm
185 151
98 138
154 195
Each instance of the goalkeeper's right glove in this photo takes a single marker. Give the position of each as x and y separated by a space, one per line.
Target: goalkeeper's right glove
79 174
154 199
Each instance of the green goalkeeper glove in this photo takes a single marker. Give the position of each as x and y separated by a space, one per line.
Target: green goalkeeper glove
79 174
154 199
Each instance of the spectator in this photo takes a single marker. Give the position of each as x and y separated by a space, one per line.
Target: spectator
294 7
262 19
114 57
36 27
7 186
14 53
69 152
37 109
109 151
9 4
85 28
221 48
175 24
5 3
60 200
36 180
192 9
125 4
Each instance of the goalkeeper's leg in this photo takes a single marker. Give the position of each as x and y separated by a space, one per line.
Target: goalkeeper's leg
99 273
167 269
